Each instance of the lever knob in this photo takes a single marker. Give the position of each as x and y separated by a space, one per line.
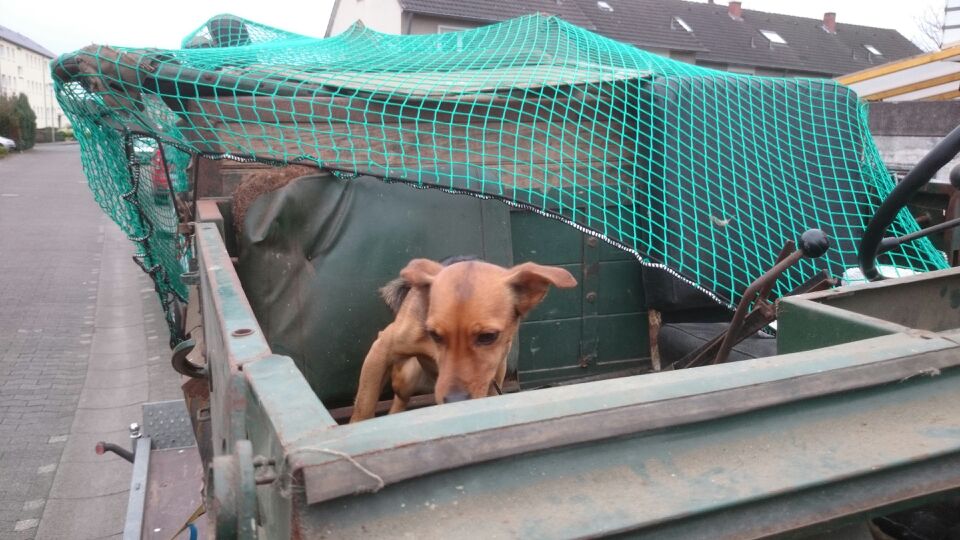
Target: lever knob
814 243
955 177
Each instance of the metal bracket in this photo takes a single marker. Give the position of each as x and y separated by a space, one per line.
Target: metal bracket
184 366
232 486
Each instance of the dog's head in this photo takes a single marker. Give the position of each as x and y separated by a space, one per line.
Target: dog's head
473 314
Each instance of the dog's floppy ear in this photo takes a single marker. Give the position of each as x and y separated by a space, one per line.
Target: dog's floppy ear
531 282
420 272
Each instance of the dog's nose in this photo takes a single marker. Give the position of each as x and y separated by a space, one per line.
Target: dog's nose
456 395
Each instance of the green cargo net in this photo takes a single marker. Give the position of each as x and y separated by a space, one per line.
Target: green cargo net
704 173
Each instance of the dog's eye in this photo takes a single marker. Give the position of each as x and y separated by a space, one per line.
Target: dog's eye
487 338
437 338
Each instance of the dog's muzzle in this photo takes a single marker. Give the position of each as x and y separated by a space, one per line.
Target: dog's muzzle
456 395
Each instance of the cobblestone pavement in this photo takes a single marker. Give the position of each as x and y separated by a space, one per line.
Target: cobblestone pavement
82 345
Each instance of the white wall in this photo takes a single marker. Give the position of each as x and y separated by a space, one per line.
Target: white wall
380 15
23 71
904 152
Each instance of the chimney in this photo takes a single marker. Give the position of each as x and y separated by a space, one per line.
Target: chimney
830 22
735 11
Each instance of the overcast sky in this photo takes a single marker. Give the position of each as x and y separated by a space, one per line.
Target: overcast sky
63 26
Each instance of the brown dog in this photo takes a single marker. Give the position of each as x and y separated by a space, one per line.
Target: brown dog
453 330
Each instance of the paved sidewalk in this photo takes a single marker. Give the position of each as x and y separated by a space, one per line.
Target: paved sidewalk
82 345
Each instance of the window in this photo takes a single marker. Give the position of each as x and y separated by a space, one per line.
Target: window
773 37
677 22
604 6
443 29
873 50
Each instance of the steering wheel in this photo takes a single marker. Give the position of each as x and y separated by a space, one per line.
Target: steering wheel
873 243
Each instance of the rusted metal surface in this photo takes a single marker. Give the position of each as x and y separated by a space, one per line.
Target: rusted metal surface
806 326
343 414
285 399
764 447
225 296
929 301
813 244
225 310
196 394
761 315
259 402
757 291
182 365
232 339
173 492
771 471
233 506
430 440
754 312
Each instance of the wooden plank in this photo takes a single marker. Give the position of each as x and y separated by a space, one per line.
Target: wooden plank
893 67
944 96
920 85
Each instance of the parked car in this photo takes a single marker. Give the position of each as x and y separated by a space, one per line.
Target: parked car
9 144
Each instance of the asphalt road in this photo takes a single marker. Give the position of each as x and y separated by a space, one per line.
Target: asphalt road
82 345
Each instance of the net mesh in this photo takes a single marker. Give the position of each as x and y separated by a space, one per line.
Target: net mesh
702 172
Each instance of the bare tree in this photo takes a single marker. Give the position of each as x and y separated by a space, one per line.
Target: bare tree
929 35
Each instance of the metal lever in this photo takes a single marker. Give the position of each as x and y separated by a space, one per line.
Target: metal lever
892 242
813 244
103 447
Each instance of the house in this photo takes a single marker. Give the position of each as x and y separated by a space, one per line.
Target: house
725 37
25 69
932 76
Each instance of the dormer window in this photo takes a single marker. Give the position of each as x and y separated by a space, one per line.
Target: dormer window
773 37
677 22
873 50
604 6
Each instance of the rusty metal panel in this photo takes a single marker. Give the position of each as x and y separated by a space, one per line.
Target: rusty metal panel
898 301
278 389
232 338
173 493
771 471
807 436
804 325
281 409
924 302
421 442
